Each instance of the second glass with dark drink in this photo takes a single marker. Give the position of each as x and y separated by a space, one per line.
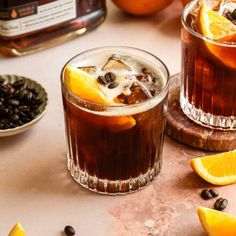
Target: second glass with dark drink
208 87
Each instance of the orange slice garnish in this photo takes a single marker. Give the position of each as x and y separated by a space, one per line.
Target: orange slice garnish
219 169
86 87
217 223
214 26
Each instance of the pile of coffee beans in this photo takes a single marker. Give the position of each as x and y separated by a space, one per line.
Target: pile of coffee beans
19 103
220 204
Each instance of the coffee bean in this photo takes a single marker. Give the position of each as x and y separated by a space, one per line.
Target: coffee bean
38 102
113 85
234 14
229 16
18 83
69 230
4 121
14 117
13 102
214 193
33 90
10 90
205 194
145 70
23 107
110 77
102 80
5 126
21 87
2 80
221 204
12 125
15 93
30 115
22 94
38 97
3 90
25 119
28 96
20 123
15 110
4 110
22 114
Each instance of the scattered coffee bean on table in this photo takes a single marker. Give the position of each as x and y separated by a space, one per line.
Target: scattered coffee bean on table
214 193
69 230
221 204
206 194
19 103
209 194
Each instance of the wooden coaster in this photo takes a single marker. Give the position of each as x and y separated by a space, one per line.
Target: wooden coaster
182 129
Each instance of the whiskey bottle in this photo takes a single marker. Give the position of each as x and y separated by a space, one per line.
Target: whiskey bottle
28 26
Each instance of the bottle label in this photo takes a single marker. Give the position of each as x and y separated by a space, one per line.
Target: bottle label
31 17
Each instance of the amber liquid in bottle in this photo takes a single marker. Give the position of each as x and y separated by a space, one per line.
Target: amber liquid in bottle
28 26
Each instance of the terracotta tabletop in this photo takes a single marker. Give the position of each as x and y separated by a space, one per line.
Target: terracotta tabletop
35 187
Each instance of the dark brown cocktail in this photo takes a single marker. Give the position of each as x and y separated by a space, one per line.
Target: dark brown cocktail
208 90
115 102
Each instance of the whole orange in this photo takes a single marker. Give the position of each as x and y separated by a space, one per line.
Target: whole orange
142 7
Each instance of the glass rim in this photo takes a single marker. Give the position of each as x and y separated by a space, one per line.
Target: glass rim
198 35
161 94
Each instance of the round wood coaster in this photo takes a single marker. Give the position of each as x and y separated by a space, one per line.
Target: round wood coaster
182 129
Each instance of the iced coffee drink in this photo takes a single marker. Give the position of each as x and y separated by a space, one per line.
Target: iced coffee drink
208 91
115 103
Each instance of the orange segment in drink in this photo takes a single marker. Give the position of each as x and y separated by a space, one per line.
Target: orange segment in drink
217 223
86 87
214 26
219 169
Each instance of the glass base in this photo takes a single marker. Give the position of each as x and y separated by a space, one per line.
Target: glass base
206 119
110 187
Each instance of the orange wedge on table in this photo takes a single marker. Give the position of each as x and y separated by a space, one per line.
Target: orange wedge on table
217 223
216 27
17 230
219 169
86 87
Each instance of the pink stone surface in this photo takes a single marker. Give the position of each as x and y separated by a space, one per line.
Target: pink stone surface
170 202
35 187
